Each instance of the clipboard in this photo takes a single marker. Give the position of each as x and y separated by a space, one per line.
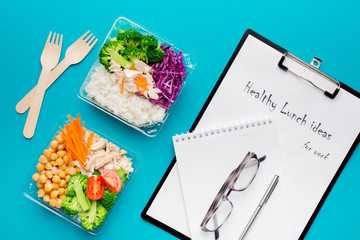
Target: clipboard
330 88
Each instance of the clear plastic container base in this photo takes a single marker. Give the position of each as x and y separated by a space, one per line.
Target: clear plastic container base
124 24
30 189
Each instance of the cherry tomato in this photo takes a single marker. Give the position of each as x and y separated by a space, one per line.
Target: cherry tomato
112 180
96 187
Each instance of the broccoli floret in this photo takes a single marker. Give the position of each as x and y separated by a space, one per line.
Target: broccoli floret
148 42
112 51
71 205
93 218
96 172
155 55
108 200
132 54
76 186
129 38
121 173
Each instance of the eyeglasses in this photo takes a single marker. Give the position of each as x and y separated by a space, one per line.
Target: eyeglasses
238 180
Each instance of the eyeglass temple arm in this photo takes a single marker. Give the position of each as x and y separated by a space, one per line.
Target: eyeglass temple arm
253 162
216 224
262 158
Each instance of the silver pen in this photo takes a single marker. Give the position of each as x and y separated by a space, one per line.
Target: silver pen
264 199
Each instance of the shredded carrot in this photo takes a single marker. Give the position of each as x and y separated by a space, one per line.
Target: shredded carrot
73 134
132 68
122 84
89 141
141 82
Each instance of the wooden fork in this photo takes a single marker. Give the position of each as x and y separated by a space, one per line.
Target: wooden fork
74 54
49 58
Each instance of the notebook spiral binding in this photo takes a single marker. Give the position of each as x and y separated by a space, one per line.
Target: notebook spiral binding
237 126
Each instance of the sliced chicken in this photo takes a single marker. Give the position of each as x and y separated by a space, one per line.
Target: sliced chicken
110 147
90 163
99 144
143 67
104 160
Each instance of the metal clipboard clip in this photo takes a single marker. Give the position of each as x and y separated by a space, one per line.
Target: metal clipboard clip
313 66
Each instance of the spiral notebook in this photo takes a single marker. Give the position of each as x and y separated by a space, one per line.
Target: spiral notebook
317 119
206 158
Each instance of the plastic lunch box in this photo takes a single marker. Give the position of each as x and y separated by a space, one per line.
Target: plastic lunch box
30 189
124 24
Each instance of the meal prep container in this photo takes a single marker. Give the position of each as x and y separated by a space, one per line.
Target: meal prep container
30 189
125 24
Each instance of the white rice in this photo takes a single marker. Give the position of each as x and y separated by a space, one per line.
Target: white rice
128 106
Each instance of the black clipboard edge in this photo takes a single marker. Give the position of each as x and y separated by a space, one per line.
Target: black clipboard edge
151 200
337 174
330 186
223 74
228 65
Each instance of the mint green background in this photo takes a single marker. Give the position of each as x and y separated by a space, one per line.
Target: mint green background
211 30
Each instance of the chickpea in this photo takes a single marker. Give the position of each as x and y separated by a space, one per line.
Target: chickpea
62 196
67 178
78 170
49 174
55 186
54 144
54 194
53 163
63 167
71 171
42 159
46 198
51 150
66 159
71 164
62 183
59 161
47 153
48 187
61 147
61 174
56 179
48 181
42 172
42 178
41 192
58 203
40 167
59 138
61 153
52 202
48 166
39 185
53 156
61 191
35 177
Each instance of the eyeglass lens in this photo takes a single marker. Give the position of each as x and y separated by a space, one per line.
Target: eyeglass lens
241 183
221 215
247 175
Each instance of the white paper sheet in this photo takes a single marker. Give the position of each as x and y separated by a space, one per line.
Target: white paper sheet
205 162
315 132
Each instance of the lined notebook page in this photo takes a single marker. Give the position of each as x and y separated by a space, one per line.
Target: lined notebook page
206 158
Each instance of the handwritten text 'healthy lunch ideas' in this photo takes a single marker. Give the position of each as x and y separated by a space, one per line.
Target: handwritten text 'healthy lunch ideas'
302 119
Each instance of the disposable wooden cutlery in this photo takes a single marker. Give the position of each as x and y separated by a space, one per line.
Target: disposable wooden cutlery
49 58
74 54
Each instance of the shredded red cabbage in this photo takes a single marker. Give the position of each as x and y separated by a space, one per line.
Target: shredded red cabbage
169 77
